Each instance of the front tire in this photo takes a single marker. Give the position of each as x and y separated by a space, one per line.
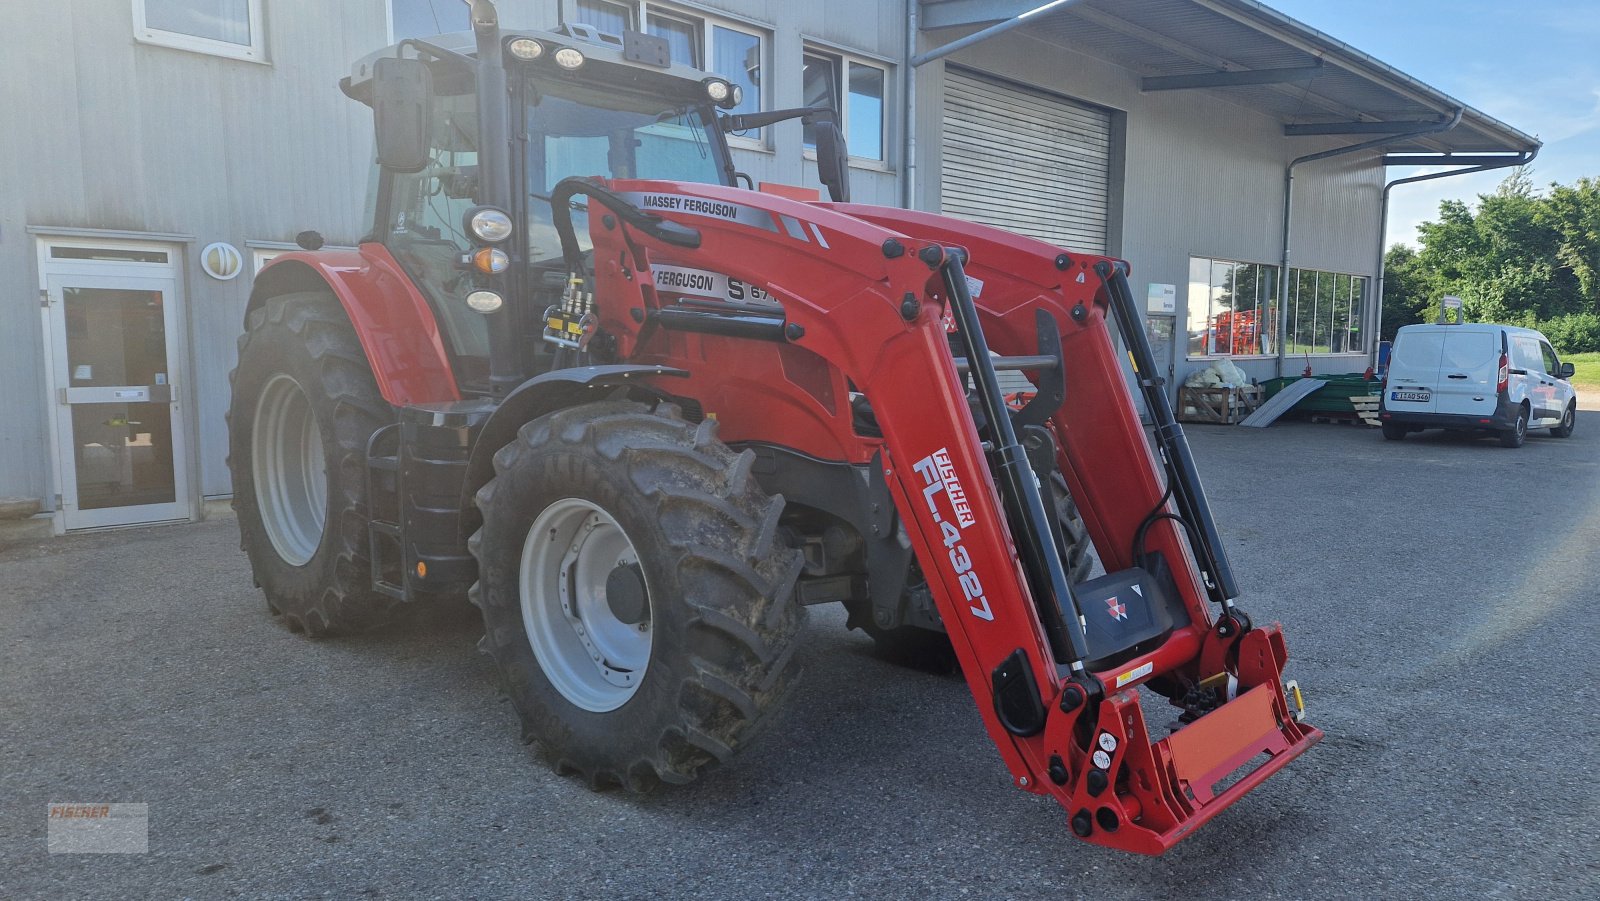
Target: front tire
1518 433
304 405
1569 421
636 597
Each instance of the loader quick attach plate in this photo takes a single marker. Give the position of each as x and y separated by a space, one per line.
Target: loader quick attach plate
1164 790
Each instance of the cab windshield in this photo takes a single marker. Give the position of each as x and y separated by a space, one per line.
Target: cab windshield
577 130
571 130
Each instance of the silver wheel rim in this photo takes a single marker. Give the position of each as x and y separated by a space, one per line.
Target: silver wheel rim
593 657
291 474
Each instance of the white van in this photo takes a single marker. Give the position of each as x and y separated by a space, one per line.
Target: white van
1476 377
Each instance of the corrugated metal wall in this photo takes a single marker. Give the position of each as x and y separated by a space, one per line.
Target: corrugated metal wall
107 133
110 134
1204 176
1022 159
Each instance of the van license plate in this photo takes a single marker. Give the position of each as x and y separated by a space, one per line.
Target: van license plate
1413 396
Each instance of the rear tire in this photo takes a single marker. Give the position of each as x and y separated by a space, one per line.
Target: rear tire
930 650
1518 433
1569 421
710 591
1394 431
304 405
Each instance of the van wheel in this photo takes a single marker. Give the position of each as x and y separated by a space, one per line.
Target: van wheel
1514 436
1568 420
1394 431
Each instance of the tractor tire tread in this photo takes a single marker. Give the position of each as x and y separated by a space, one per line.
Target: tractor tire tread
733 592
350 408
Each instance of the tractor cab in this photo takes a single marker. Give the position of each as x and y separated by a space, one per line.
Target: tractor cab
474 131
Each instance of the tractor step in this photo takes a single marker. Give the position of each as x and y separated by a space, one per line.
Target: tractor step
417 525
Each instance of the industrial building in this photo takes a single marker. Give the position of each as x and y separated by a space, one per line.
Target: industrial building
165 149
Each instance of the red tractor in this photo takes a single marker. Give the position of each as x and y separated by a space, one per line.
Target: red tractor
644 418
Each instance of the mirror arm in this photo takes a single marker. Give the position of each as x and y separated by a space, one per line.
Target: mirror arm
437 52
745 121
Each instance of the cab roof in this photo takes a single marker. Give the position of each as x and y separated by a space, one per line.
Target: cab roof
604 62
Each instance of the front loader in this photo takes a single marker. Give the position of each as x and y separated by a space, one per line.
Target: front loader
644 418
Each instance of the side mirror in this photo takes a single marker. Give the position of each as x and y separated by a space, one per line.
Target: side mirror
1568 370
401 112
833 159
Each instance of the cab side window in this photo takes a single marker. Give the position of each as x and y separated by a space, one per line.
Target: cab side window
1551 364
1524 353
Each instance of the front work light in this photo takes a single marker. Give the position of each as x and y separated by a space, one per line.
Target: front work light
484 301
723 93
489 224
525 48
569 58
491 260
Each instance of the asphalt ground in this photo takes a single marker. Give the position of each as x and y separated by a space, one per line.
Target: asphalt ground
1438 594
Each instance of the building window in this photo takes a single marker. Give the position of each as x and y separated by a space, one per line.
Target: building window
1233 310
1325 312
735 52
611 18
426 18
860 106
219 27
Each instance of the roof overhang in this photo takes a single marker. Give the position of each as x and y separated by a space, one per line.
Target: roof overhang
1254 56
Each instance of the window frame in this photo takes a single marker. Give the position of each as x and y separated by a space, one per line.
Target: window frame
1269 299
639 12
255 52
1303 284
843 60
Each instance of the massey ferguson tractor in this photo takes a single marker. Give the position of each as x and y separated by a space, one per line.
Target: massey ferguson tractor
644 417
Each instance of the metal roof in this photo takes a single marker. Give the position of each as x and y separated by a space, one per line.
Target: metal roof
1192 37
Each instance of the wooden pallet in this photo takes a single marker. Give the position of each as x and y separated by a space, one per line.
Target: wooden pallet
1224 406
1364 412
1367 408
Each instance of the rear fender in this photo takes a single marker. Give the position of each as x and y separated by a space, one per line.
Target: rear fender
392 319
546 393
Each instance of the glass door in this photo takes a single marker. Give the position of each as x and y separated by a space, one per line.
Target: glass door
119 435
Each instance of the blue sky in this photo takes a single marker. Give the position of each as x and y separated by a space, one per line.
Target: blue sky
1534 65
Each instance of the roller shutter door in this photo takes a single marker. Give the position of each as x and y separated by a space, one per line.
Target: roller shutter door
1026 161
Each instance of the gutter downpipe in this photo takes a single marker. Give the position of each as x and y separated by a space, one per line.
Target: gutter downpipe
1288 210
915 60
1521 159
908 118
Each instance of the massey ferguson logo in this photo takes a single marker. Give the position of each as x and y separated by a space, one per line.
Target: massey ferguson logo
1116 608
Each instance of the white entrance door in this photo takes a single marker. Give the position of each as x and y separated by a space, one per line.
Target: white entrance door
119 436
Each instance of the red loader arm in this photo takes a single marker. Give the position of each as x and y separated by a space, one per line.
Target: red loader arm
866 291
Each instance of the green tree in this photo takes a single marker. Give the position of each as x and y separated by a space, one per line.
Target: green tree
1520 257
1408 290
1574 213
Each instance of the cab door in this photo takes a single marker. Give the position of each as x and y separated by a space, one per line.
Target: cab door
1553 392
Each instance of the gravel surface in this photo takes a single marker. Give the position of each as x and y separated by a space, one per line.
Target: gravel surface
1439 598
